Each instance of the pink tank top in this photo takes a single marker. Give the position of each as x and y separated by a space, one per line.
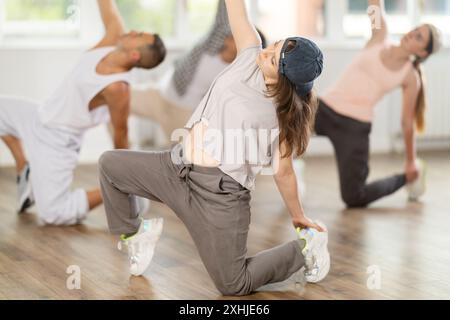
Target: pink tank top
363 84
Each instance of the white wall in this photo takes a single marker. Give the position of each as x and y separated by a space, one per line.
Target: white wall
34 72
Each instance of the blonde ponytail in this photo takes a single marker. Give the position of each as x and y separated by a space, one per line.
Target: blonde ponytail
434 45
421 102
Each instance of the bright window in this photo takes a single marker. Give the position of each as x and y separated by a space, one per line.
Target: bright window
183 21
436 12
161 16
149 15
280 19
356 23
201 14
339 20
41 18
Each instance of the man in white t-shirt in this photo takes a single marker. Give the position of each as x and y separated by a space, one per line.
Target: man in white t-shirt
172 102
45 139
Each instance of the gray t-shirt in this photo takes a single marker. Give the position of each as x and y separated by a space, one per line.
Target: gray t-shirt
242 122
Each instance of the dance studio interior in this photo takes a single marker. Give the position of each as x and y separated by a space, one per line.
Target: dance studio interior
93 93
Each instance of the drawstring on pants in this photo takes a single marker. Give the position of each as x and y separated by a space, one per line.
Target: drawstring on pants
184 174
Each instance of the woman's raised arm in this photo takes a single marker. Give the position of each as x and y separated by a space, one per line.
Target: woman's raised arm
377 15
244 33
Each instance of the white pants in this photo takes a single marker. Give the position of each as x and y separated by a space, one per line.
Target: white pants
52 155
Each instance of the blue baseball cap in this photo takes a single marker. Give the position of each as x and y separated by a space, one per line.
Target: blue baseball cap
301 64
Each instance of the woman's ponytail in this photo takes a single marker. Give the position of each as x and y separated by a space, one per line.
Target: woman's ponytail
434 45
421 103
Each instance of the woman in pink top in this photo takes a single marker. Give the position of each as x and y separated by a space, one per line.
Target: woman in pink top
346 109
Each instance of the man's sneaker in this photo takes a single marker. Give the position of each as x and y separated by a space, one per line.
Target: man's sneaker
317 257
417 188
141 246
25 196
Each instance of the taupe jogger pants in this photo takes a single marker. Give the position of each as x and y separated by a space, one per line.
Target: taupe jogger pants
214 208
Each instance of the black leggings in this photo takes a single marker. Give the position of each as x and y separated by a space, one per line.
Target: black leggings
350 139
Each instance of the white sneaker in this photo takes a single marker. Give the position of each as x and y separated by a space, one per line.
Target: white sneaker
417 188
299 168
25 197
141 246
317 257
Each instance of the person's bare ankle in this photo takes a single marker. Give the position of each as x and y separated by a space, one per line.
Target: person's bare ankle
20 167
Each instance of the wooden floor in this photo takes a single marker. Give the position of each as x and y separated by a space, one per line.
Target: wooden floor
408 242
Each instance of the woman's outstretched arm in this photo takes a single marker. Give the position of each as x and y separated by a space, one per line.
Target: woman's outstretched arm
244 33
286 181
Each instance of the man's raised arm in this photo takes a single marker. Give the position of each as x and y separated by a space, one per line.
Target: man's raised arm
113 22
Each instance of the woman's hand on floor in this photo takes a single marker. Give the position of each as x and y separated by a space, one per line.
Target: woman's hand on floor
304 223
412 172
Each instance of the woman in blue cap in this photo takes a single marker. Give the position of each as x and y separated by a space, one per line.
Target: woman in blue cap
257 115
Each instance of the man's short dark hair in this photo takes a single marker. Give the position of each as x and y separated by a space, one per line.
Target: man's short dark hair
152 55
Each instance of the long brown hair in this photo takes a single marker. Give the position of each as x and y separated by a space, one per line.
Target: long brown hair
421 102
433 46
295 116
